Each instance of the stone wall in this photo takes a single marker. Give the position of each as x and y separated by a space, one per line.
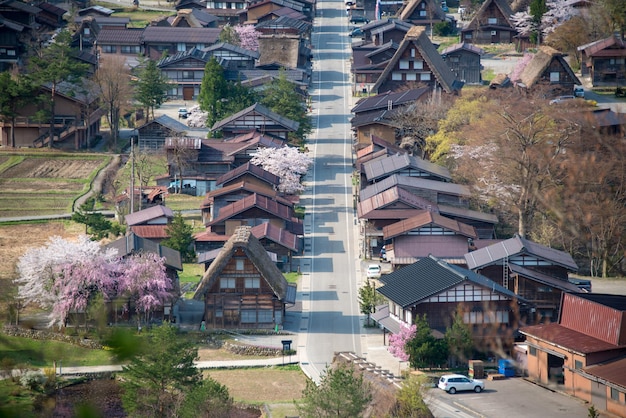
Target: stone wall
48 335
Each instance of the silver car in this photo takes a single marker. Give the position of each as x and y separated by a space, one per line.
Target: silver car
453 383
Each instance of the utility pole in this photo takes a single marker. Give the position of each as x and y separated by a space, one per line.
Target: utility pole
132 173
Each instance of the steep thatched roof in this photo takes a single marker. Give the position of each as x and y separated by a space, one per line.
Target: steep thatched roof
501 5
540 63
244 240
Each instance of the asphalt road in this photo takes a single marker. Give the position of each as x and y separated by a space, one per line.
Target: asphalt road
330 319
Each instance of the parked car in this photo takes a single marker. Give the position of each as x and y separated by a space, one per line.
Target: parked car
356 33
453 383
373 271
183 113
444 7
579 91
462 12
561 99
359 19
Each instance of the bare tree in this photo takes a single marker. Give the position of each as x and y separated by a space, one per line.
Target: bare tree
179 151
416 122
113 80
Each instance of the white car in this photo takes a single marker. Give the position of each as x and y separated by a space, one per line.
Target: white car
561 99
453 383
373 271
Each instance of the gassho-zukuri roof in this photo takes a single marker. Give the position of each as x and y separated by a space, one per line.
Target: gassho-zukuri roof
244 240
387 166
540 63
430 276
493 254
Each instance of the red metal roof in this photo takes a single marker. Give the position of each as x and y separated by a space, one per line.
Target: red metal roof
556 334
150 231
427 218
611 371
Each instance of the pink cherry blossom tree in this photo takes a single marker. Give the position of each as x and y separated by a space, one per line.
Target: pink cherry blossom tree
64 276
397 342
248 37
287 163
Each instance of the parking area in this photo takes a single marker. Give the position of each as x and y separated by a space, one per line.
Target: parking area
513 398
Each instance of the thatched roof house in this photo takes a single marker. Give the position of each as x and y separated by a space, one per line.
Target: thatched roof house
548 68
243 288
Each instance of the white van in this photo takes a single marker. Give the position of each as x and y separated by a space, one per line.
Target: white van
579 91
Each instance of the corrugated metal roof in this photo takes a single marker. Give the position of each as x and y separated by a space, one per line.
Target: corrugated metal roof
415 247
384 167
255 200
278 235
414 183
385 100
249 168
120 36
398 198
164 34
262 110
558 335
613 372
246 186
544 278
150 231
148 214
430 276
428 218
517 246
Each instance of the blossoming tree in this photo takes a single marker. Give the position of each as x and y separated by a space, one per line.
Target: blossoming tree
397 342
287 163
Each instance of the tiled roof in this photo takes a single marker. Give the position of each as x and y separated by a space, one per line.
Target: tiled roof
393 197
556 334
249 168
148 214
428 277
163 34
284 21
262 110
277 235
428 218
463 46
381 117
517 246
387 166
120 36
51 8
389 100
207 236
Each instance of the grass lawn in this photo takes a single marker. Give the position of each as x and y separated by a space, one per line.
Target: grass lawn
39 353
178 202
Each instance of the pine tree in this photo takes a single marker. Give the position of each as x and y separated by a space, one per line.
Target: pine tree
213 91
151 87
180 238
15 92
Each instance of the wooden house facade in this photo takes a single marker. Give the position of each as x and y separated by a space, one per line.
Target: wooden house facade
549 72
464 61
152 134
491 24
604 62
534 271
256 117
584 353
368 63
439 290
417 63
423 12
243 288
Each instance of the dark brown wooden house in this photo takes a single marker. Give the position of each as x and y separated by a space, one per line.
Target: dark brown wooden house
537 273
438 290
256 117
243 288
491 24
549 72
464 61
422 12
604 61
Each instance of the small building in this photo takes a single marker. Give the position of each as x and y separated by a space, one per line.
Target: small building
583 353
548 70
464 61
256 117
604 62
243 288
491 24
150 223
152 134
423 13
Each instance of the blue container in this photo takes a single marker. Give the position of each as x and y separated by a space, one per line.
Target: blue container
506 368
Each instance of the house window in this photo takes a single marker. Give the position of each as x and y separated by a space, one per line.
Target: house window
227 283
248 316
614 394
411 76
265 316
130 49
396 76
412 52
454 59
239 264
418 65
11 52
181 47
86 31
109 49
578 365
532 351
425 76
423 5
188 75
492 21
403 64
620 61
252 283
238 5
468 35
422 13
494 33
554 77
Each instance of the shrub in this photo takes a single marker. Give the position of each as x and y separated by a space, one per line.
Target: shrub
442 29
33 379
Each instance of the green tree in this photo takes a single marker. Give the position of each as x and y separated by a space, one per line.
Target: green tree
424 349
151 87
54 65
282 98
537 9
229 35
96 225
208 399
180 238
156 381
213 91
410 398
15 92
342 393
368 299
459 338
